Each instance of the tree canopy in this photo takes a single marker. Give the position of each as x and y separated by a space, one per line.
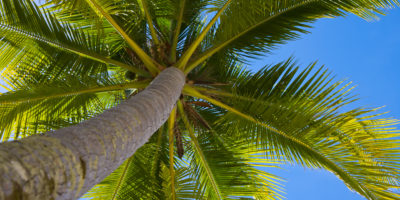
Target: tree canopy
65 61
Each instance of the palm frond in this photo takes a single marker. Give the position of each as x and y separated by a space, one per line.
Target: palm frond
225 173
269 23
208 173
32 35
104 9
233 169
303 118
32 106
147 60
126 13
192 48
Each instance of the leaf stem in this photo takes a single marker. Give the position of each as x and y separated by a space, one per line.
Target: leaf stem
186 56
171 125
177 32
121 178
147 60
121 86
150 22
199 151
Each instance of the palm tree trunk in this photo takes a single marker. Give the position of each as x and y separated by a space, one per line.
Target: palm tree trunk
66 163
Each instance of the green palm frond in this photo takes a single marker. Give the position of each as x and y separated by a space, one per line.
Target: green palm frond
207 175
303 118
269 23
164 15
233 170
81 15
31 35
183 17
224 173
100 8
32 103
161 11
196 43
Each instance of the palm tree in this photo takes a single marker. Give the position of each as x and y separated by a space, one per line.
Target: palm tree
67 63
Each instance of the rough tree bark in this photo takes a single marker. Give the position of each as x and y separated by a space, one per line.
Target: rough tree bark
66 163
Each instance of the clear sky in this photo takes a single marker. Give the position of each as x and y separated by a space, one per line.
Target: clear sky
366 53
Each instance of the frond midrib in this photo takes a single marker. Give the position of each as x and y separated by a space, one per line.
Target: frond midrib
199 150
191 49
122 178
150 63
96 89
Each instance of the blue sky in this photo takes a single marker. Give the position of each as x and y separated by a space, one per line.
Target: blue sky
364 52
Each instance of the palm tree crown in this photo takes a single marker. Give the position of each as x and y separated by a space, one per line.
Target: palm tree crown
66 61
